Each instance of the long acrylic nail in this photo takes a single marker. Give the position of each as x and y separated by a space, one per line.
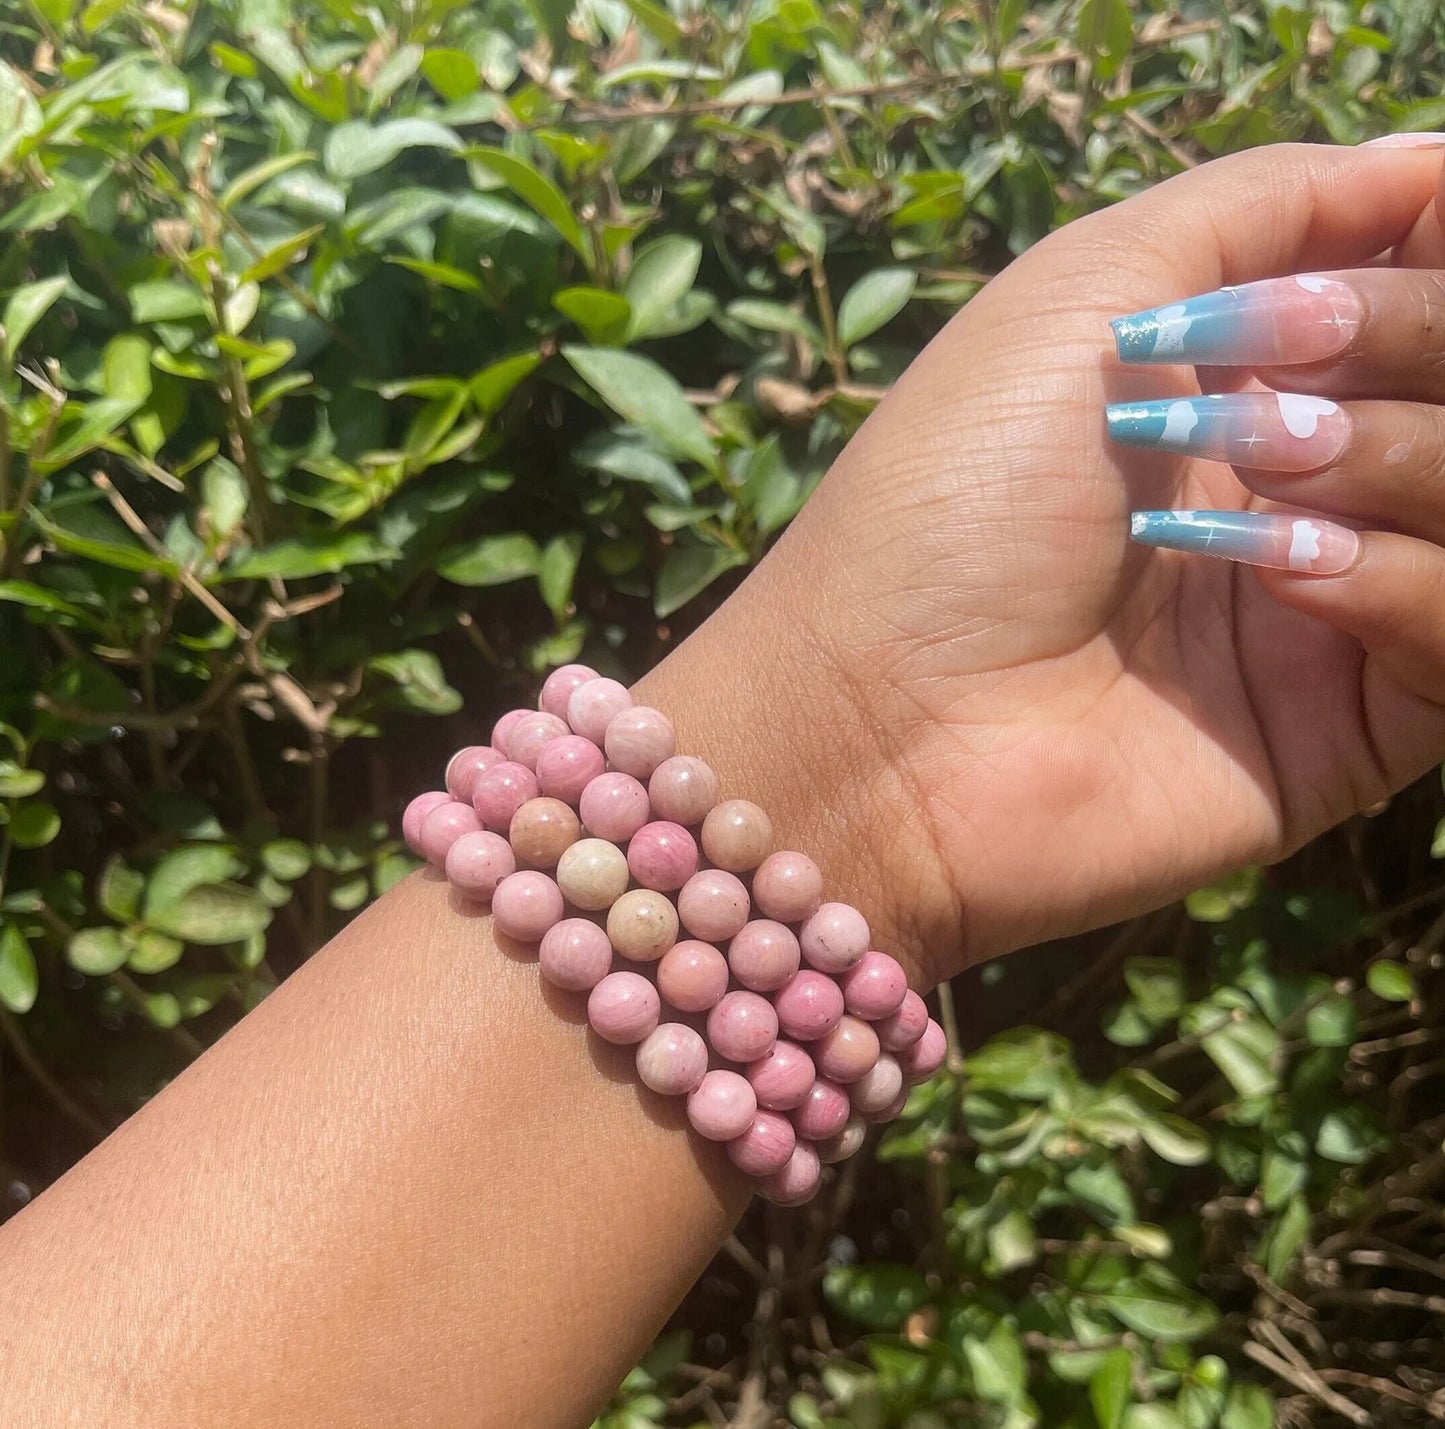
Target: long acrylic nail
1289 543
1269 431
1275 321
1418 139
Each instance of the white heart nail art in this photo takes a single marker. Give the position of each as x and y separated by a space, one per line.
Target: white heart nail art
1301 415
1173 324
1312 284
1304 545
1179 421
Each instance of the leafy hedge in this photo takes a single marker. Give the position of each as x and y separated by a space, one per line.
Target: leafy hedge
361 363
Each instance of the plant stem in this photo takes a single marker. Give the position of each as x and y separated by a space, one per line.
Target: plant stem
26 1055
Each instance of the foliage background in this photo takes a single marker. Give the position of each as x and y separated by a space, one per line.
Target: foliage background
361 363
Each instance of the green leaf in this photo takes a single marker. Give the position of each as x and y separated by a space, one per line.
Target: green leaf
1105 32
688 571
662 275
1109 1387
1176 1140
1248 1406
873 301
452 73
187 868
1349 1134
97 951
1244 1051
537 191
298 556
126 365
1282 1241
768 316
220 913
96 421
1331 1022
166 300
1390 981
249 180
17 782
637 389
420 682
878 1296
35 824
20 115
1025 1063
119 889
1127 1026
495 383
1155 1304
155 952
282 255
491 560
442 273
1011 1242
601 315
95 534
356 148
630 459
39 598
557 569
1157 985
19 981
1220 901
1000 1371
286 859
26 306
225 497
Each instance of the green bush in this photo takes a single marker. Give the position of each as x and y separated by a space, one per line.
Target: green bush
362 363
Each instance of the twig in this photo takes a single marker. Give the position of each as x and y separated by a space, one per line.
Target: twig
1304 1378
40 1075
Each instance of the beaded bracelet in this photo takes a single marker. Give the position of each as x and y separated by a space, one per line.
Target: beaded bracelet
600 868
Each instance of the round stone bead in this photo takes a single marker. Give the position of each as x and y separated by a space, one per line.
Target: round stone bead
558 686
672 1059
874 986
848 1051
737 835
900 1030
464 766
763 955
525 905
542 830
500 791
847 1143
742 1027
415 815
531 734
623 1008
834 938
796 1182
567 765
765 1146
503 728
782 1078
891 1111
823 1112
722 1106
692 976
592 874
592 706
614 806
713 905
683 789
808 1005
925 1056
642 925
878 1088
478 862
662 856
443 826
638 740
575 955
788 886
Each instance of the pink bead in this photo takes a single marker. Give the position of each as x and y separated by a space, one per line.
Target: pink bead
478 862
525 905
808 1005
642 925
683 789
713 905
541 831
567 765
763 955
765 1146
672 1059
575 955
692 976
823 1112
638 740
614 806
503 728
878 1088
415 816
847 1143
464 766
742 1027
891 1111
723 1106
592 706
903 1028
834 938
848 1051
925 1056
558 686
782 1078
662 856
788 886
737 835
623 1008
500 791
874 986
797 1181
443 826
531 734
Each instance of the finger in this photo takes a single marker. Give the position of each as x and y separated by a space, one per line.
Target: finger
1425 246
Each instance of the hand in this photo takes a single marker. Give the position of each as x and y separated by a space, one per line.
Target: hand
990 717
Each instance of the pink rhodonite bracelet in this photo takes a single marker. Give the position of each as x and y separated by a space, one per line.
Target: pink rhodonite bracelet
581 824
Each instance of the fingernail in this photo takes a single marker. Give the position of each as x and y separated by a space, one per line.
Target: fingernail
1288 543
1276 321
1417 140
1269 431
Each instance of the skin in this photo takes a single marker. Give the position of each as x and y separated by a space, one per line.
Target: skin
412 1190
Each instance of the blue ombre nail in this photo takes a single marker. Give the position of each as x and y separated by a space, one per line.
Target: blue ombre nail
1277 321
1257 538
1268 431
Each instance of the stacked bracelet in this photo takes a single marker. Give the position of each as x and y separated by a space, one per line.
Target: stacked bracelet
591 837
